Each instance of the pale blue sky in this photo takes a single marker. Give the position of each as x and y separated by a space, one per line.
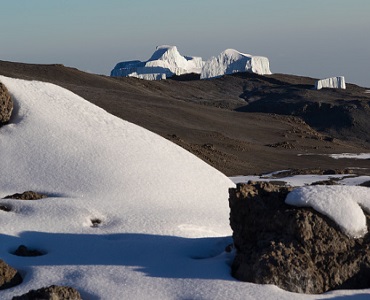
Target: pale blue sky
317 38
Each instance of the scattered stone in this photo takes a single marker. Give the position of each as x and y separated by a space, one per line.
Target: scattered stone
297 249
22 250
285 145
9 276
208 146
6 105
29 195
95 222
52 292
309 171
5 208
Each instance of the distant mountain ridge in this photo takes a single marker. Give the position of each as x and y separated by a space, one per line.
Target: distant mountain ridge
166 62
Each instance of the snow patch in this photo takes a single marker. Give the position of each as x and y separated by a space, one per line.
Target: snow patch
340 203
351 155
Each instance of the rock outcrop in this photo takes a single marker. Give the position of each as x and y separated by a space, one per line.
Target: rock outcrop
28 195
52 292
297 249
9 276
332 82
6 105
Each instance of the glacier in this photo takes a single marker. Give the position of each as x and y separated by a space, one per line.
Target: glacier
231 61
166 62
332 82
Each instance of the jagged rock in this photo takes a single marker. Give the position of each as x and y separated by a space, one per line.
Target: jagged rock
9 276
6 105
29 195
297 249
52 292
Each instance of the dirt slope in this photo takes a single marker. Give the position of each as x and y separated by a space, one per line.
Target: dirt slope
239 124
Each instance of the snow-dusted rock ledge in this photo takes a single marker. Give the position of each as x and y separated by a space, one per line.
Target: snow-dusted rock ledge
332 82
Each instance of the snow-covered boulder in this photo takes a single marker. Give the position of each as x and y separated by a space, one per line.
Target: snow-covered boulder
9 277
165 62
232 61
297 248
6 105
332 82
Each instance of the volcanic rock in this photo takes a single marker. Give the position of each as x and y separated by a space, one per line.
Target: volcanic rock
52 292
6 105
297 249
9 276
29 195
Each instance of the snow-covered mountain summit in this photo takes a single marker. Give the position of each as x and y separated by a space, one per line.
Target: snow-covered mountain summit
166 61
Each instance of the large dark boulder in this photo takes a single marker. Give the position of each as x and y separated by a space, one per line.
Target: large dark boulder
52 292
6 105
297 249
9 276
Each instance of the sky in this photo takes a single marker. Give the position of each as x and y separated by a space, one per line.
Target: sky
316 38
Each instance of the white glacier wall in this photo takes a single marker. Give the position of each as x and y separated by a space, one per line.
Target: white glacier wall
166 61
332 82
231 61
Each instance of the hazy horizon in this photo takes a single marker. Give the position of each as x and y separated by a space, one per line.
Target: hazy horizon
312 38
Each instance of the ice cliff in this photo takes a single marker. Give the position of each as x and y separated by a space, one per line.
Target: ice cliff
166 61
332 82
232 61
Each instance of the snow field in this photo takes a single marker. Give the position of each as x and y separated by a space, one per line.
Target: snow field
164 213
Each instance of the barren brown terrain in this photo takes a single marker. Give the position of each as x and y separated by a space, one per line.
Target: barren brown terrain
240 124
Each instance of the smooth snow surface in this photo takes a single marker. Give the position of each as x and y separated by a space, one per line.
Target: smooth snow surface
164 213
332 82
340 203
231 61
